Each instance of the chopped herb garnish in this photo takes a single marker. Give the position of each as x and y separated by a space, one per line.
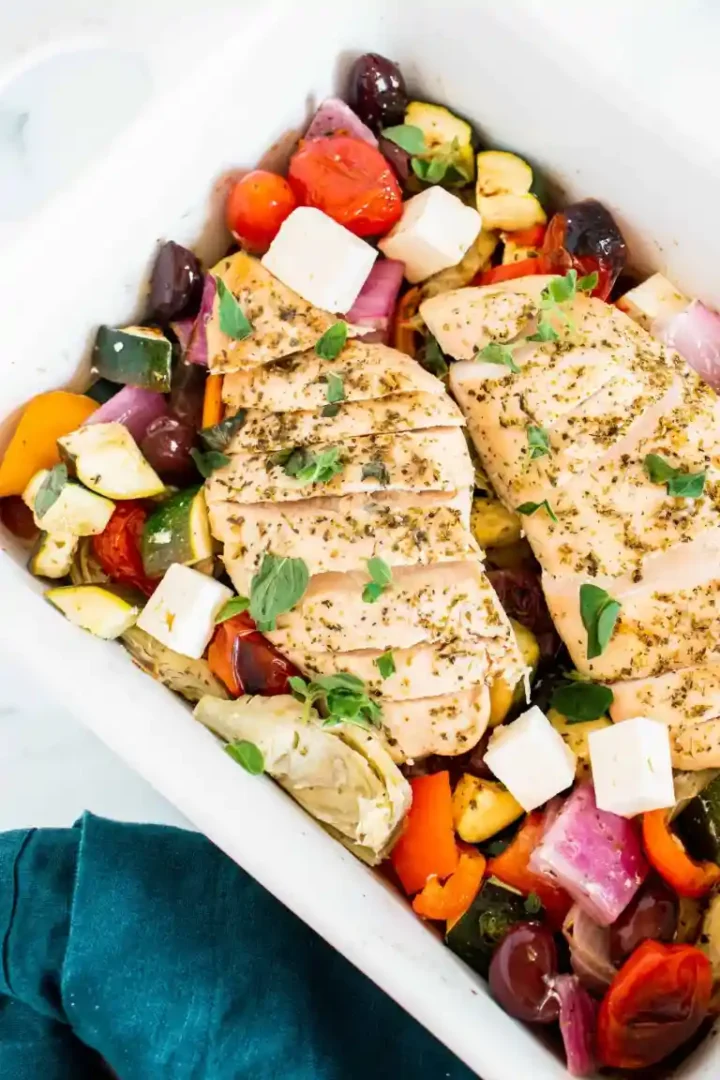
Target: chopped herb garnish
207 463
385 663
498 354
432 358
431 171
533 903
278 586
331 343
538 441
589 282
529 508
50 489
582 701
233 320
544 332
407 137
219 436
376 470
248 755
380 577
306 466
330 410
343 696
335 387
560 290
599 613
234 606
679 484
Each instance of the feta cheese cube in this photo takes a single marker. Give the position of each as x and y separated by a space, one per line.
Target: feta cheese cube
323 262
656 298
435 231
632 767
531 759
181 612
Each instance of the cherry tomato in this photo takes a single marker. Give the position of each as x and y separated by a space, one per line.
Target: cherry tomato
256 208
246 661
586 236
656 1002
348 180
18 518
117 548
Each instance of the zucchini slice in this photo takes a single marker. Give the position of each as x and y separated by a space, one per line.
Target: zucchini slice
446 135
106 458
107 611
53 554
134 356
177 532
482 808
510 212
502 173
477 933
75 510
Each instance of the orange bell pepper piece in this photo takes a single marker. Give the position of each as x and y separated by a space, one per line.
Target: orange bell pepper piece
532 237
427 847
403 335
34 444
512 868
524 268
450 901
212 402
667 854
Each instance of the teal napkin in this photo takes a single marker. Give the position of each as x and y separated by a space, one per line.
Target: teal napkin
146 944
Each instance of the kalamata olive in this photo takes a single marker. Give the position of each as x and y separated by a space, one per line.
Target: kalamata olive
395 156
652 914
521 595
585 236
523 962
377 91
187 391
176 283
18 518
167 445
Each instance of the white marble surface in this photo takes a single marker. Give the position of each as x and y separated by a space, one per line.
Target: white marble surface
52 768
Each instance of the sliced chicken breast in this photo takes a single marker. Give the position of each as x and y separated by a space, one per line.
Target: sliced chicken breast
434 459
696 746
679 698
301 381
446 725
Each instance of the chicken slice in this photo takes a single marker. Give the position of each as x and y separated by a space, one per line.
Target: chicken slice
342 534
446 725
679 698
435 459
301 381
264 432
433 603
696 746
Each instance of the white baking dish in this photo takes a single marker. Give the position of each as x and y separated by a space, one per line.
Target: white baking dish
81 262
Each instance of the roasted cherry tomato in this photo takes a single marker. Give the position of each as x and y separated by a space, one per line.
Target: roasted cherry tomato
585 236
348 180
246 661
117 548
656 1002
256 208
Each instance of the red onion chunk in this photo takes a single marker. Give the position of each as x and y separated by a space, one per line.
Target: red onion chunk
134 407
375 305
578 1024
334 117
589 950
595 856
197 350
183 330
695 333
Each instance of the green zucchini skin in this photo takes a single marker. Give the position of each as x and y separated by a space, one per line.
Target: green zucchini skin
177 532
52 556
699 824
134 356
476 935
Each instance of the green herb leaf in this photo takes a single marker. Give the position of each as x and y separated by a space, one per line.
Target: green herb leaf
533 903
496 847
331 343
545 332
218 436
344 698
559 290
589 282
531 508
432 358
234 606
582 701
330 410
248 755
658 470
335 387
407 137
233 320
372 592
385 663
538 441
320 468
50 489
278 586
376 470
680 485
380 577
599 613
430 171
497 354
207 463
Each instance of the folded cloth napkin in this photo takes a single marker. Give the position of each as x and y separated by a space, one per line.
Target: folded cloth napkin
146 944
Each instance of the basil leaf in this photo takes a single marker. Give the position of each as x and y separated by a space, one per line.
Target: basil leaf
680 485
372 592
335 387
234 606
376 470
533 903
532 507
330 410
545 332
589 282
432 358
497 354
233 320
385 663
278 586
407 137
582 701
538 441
209 462
248 755
331 343
219 435
379 571
599 613
50 489
319 468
